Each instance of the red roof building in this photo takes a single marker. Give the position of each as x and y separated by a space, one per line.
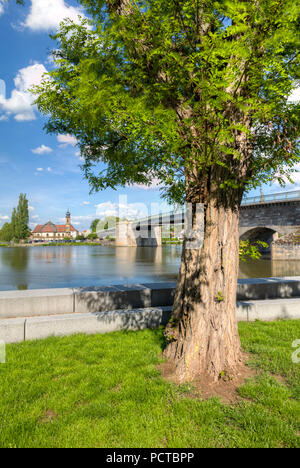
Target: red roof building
55 231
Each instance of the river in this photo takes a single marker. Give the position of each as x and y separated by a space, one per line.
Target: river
74 266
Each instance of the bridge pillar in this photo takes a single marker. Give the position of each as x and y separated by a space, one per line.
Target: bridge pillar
128 236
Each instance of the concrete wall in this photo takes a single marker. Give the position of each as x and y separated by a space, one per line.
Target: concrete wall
285 251
31 303
283 217
36 302
36 314
34 328
127 235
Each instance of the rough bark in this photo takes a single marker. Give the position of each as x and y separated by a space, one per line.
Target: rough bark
203 334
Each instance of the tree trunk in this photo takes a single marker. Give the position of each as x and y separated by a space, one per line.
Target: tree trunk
202 334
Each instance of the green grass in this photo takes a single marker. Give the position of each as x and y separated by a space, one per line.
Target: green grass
67 244
105 391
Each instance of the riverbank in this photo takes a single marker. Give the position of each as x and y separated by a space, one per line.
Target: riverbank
104 242
36 314
61 244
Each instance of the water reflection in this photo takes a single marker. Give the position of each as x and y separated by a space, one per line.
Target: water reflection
16 259
265 267
75 266
50 255
255 269
286 268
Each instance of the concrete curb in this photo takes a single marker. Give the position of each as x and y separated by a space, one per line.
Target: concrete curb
36 302
268 310
13 330
16 304
34 328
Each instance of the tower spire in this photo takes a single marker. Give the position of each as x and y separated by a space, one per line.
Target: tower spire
68 222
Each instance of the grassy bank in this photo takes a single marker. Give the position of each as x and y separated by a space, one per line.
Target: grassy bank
56 244
105 391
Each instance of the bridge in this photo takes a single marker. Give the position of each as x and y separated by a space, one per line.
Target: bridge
264 217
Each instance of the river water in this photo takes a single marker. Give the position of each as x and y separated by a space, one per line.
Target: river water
74 266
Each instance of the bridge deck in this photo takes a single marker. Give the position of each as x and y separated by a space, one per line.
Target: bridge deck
178 217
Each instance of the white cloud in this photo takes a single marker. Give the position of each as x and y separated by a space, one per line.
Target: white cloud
4 218
35 216
155 184
20 104
42 150
86 203
31 208
1 7
80 219
66 140
46 15
41 169
122 210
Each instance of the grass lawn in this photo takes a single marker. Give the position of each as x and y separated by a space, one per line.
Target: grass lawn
105 391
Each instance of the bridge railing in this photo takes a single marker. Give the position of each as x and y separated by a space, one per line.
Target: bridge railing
273 197
260 199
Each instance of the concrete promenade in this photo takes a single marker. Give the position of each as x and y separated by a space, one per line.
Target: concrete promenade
36 314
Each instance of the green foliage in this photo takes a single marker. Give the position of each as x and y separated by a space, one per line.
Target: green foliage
108 222
179 90
94 225
6 233
220 297
80 238
18 228
92 236
250 251
20 219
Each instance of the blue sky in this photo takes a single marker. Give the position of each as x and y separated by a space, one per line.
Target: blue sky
45 167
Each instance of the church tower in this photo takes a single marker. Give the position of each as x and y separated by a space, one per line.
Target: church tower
68 222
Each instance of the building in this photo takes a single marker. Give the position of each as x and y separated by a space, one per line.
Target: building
50 231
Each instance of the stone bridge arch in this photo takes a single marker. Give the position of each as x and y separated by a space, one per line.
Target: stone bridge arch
265 234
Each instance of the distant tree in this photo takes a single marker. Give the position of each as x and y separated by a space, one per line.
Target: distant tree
6 233
92 236
18 228
20 219
14 220
94 225
107 223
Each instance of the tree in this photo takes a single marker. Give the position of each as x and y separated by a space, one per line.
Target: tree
107 223
18 228
6 233
194 94
94 225
20 219
92 236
